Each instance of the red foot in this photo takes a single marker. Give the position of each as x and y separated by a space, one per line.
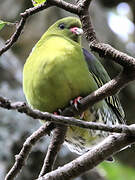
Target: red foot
76 101
58 112
55 113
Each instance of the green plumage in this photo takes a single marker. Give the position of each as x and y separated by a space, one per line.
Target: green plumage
59 70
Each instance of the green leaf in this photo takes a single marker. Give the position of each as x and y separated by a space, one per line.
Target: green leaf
117 171
37 2
3 23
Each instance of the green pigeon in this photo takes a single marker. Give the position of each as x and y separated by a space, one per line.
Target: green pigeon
59 70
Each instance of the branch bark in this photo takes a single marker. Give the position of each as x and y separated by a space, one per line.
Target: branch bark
92 158
58 138
21 158
64 120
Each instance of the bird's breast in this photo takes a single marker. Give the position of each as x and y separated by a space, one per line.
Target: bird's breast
59 74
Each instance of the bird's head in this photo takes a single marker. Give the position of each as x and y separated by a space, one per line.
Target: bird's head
69 27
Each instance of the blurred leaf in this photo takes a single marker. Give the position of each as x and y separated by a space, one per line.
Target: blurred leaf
117 171
3 23
37 2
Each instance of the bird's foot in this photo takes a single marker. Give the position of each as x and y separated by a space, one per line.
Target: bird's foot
76 101
82 115
58 112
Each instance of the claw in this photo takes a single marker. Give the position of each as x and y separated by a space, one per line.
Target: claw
55 113
71 102
58 112
82 116
76 101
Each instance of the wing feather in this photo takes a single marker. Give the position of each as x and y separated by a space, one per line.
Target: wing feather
101 77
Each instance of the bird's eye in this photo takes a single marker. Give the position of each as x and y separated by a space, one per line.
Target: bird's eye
61 26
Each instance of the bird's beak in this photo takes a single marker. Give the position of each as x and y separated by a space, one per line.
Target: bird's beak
77 31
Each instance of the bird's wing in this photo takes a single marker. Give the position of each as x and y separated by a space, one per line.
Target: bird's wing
101 77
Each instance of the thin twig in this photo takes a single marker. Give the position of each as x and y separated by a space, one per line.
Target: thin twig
59 3
14 37
58 138
21 158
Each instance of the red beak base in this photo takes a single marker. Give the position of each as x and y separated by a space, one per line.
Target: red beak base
76 30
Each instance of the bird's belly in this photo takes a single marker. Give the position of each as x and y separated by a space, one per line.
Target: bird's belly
80 140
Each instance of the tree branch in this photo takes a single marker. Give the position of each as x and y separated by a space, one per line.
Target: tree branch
29 12
92 158
59 3
58 138
109 52
104 50
45 116
14 37
21 158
